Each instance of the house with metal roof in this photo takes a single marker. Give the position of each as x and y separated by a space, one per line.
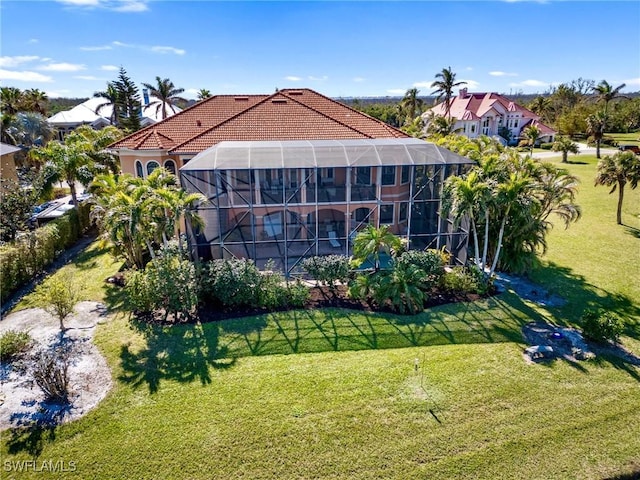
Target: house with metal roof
296 174
488 114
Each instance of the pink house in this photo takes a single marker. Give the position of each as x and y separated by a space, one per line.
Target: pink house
486 113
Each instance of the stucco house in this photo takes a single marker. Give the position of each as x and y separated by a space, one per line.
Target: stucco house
295 174
85 114
7 161
486 113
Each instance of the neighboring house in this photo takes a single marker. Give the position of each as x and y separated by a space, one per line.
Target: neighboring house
85 114
295 174
486 113
7 162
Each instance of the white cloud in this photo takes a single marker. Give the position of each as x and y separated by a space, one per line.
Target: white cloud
632 82
159 49
86 77
24 76
11 62
32 41
359 79
469 69
292 78
318 79
472 84
96 49
530 83
396 91
63 67
109 68
57 93
502 74
124 6
422 84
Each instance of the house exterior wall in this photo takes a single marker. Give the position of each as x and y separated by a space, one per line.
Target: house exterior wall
286 215
8 167
139 163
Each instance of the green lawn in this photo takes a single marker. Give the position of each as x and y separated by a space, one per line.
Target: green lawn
337 395
625 138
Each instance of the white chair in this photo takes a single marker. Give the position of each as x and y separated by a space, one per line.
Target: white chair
333 239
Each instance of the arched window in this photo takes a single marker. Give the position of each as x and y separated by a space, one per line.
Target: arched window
170 166
139 171
151 166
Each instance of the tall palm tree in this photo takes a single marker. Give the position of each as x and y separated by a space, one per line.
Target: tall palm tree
372 241
565 145
605 92
28 129
112 99
541 106
411 105
444 84
616 172
11 99
203 93
596 124
166 94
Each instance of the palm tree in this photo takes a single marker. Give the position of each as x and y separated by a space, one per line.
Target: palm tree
530 136
113 99
35 101
607 93
372 241
203 93
441 126
166 94
28 129
595 127
401 286
444 87
411 105
11 99
616 172
541 106
99 140
565 145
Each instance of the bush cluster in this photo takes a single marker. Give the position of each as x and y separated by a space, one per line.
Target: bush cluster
13 345
602 326
22 260
327 270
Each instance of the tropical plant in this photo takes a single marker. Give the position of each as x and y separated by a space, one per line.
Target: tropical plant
602 326
372 241
616 172
203 93
565 145
606 93
444 84
402 287
35 100
28 130
439 125
530 136
16 206
327 269
112 99
411 105
166 95
596 124
431 262
541 106
98 141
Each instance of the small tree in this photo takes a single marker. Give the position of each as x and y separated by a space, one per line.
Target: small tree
566 146
372 241
328 269
616 172
530 137
60 295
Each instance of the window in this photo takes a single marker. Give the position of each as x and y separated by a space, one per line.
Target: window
388 175
473 128
386 214
139 170
170 166
402 214
404 174
361 214
151 166
363 175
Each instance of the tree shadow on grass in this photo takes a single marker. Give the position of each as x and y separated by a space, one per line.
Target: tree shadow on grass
182 353
634 232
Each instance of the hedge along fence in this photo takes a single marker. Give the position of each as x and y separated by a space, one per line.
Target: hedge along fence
22 260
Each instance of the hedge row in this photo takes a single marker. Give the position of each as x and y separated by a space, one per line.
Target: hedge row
22 260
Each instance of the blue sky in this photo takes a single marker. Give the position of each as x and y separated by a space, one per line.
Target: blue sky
72 48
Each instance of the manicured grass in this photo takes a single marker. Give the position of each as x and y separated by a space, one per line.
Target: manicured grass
625 138
348 395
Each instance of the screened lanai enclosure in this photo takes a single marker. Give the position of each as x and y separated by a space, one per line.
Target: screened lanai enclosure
282 201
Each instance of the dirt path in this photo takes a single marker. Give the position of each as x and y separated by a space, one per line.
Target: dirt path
90 378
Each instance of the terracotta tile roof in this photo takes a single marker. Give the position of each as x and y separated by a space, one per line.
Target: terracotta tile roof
290 114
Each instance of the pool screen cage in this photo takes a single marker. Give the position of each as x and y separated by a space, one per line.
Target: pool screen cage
283 201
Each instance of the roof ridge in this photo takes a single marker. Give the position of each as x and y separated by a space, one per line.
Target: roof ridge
143 137
388 127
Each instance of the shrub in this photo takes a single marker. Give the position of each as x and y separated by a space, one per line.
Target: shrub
602 326
169 283
460 280
328 269
431 262
272 292
297 294
231 282
14 344
49 368
546 146
60 296
402 288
